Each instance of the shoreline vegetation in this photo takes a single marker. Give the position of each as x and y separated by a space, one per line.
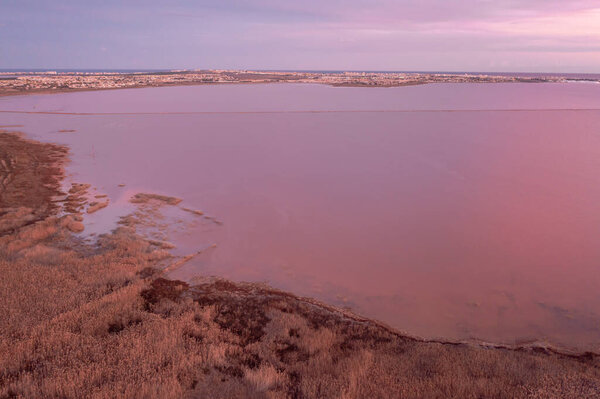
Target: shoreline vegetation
18 83
102 320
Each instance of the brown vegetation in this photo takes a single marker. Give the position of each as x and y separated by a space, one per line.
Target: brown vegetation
30 177
96 206
142 198
102 321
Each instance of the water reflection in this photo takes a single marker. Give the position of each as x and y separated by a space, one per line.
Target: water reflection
444 224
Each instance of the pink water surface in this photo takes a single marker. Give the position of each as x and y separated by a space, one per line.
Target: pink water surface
477 217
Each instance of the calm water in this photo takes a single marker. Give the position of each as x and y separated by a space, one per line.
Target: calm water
455 211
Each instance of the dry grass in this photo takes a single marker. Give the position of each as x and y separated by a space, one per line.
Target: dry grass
100 322
30 175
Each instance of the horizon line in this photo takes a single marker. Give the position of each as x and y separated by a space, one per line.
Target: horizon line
288 70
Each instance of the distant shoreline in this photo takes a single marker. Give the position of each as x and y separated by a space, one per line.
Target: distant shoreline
22 83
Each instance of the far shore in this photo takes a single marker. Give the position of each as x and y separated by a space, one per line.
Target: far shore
47 83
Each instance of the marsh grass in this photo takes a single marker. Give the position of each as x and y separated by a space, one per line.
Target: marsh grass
101 321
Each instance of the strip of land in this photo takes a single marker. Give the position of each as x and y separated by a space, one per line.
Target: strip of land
80 320
15 83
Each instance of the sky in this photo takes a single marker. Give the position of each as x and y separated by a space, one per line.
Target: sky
399 35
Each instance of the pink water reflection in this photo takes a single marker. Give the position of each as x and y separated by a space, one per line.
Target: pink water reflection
444 224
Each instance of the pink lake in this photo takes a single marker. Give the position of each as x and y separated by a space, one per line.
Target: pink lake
456 211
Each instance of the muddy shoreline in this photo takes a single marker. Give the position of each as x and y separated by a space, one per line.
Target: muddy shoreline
75 313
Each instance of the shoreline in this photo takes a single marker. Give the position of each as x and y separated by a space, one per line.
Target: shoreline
531 344
46 83
253 321
79 90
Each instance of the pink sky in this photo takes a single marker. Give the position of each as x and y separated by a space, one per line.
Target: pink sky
474 35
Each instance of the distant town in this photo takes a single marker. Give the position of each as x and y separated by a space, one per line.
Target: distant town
12 83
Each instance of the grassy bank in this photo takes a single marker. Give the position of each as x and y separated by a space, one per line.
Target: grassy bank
101 321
